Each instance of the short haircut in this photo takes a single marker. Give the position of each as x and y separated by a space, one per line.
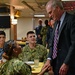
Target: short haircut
40 20
46 22
30 32
55 3
2 33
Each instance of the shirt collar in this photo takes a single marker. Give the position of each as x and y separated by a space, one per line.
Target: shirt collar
62 18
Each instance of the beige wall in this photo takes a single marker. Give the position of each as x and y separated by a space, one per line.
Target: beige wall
43 19
26 24
23 26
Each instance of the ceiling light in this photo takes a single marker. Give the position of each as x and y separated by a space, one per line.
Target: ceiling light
39 15
19 7
17 13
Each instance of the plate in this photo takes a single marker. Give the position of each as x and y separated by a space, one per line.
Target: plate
29 62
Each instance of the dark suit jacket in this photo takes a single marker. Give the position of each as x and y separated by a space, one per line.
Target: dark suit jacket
66 42
38 32
49 34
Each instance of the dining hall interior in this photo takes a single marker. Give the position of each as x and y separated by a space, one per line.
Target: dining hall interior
23 15
17 17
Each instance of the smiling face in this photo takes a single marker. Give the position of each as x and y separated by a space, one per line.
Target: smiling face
54 9
31 38
53 12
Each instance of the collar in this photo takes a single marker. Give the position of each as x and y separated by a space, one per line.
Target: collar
62 18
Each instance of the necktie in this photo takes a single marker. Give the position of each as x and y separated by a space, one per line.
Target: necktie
56 41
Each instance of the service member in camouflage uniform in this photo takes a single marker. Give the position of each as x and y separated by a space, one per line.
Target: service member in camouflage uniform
13 66
33 50
38 30
44 31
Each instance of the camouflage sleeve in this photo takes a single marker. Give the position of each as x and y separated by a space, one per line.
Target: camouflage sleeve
21 55
43 30
26 54
25 70
45 54
17 67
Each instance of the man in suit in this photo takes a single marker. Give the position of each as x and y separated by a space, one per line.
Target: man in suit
63 59
38 31
49 33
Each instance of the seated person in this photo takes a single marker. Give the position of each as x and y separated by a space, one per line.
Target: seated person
2 42
33 50
13 66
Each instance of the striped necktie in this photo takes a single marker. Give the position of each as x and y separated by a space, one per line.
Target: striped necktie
56 41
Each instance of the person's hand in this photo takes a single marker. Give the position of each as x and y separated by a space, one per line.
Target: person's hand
4 55
43 70
47 64
1 61
39 36
46 68
63 69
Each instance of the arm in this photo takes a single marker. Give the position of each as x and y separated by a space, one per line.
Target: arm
46 68
69 60
22 54
48 35
43 71
43 31
18 68
71 52
25 70
45 54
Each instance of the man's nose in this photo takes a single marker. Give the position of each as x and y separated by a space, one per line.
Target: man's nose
2 39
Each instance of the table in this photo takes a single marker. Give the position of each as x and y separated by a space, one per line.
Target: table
36 70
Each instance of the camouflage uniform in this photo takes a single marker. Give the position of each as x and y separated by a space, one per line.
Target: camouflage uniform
15 67
38 52
44 31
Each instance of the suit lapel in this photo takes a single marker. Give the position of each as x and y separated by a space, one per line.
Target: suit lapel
61 28
63 24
